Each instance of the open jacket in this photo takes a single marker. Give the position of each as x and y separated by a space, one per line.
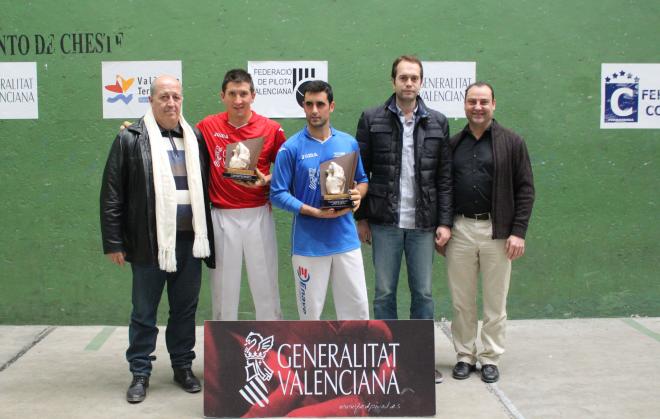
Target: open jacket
380 136
513 183
128 207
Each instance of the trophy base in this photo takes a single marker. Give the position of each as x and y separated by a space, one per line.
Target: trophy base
241 175
337 201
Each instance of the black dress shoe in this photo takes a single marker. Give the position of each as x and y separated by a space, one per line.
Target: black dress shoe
489 373
137 391
462 370
187 380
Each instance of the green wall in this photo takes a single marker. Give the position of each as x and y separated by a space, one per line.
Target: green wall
592 248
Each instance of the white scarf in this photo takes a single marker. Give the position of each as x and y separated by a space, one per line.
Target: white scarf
165 194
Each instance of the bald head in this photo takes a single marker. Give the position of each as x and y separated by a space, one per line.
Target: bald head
166 99
165 78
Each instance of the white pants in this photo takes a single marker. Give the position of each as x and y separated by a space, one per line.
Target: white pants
471 251
249 232
349 290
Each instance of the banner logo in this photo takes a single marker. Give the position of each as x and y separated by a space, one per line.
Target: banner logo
278 84
301 74
257 369
629 96
125 85
257 372
621 97
18 91
120 87
444 83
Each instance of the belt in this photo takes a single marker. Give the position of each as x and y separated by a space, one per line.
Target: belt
483 216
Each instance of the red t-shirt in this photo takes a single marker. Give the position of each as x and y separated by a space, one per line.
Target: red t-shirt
218 132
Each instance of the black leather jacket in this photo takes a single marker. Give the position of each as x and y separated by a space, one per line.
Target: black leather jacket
380 135
128 207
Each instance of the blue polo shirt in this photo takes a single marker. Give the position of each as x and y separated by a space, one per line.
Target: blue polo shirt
295 182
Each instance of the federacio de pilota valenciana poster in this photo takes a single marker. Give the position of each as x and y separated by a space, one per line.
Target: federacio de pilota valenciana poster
319 368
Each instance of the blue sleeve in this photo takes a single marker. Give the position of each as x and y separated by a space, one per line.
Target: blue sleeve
360 174
282 181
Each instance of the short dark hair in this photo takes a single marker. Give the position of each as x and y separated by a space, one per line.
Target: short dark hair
409 58
318 86
481 84
237 75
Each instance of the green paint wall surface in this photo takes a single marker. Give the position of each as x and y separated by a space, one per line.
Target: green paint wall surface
592 247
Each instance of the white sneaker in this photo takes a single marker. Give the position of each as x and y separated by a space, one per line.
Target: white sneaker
438 377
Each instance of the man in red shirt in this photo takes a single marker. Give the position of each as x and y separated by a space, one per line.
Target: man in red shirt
242 215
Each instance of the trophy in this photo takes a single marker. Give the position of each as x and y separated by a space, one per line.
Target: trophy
336 178
241 160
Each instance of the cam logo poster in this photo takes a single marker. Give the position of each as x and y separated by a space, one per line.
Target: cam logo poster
276 84
630 95
125 85
18 91
319 368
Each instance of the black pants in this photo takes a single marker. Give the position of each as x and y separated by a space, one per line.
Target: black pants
182 294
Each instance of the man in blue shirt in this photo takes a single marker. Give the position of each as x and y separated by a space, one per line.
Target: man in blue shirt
324 242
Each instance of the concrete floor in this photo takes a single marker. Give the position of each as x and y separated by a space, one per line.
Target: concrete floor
579 368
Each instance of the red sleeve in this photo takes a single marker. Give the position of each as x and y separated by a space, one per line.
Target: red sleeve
280 138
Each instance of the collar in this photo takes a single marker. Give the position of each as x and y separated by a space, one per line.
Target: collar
421 111
492 128
175 132
309 136
489 129
400 114
225 117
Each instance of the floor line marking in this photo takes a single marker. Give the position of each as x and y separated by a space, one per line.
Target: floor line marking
38 338
641 328
506 402
445 328
98 340
511 409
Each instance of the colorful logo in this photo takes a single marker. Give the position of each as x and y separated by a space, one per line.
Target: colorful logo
256 348
120 87
621 97
303 279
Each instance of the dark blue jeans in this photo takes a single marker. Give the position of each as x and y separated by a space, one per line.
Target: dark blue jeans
388 247
182 294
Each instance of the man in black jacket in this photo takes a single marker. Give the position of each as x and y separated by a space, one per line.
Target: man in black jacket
405 152
493 198
155 215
